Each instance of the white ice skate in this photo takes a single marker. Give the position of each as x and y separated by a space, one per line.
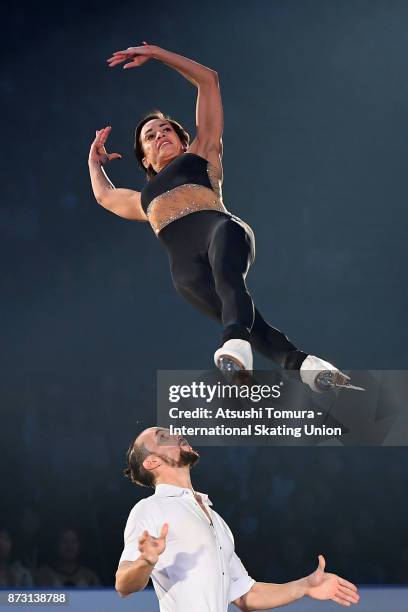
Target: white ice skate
234 357
322 376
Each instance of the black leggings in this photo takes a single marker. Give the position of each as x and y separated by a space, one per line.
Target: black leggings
210 254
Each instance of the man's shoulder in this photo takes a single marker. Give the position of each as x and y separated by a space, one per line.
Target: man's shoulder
145 514
223 523
147 504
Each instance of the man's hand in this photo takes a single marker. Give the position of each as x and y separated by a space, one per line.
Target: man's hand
98 152
137 56
321 585
151 548
133 576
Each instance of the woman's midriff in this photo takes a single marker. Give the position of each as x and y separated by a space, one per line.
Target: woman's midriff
181 201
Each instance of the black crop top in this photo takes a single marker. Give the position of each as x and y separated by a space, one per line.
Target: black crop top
187 168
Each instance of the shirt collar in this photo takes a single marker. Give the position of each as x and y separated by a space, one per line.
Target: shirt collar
167 490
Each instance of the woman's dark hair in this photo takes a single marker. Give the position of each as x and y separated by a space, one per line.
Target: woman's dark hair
138 148
135 456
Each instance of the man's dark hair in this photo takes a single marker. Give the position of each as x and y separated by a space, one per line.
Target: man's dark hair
135 456
138 148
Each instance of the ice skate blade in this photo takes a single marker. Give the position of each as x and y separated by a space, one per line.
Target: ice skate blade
352 387
331 380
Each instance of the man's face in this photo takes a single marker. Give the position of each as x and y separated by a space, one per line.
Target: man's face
171 449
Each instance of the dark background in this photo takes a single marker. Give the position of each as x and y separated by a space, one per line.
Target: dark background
316 115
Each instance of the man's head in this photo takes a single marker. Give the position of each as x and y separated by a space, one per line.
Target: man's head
156 455
158 140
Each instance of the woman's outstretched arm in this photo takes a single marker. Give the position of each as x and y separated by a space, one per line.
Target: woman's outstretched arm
209 112
122 202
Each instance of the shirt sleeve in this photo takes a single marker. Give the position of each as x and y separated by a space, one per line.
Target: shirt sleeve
241 582
139 520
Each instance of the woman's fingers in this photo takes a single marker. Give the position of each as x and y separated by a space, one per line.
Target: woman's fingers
140 54
119 54
135 61
130 50
103 135
138 61
98 147
114 61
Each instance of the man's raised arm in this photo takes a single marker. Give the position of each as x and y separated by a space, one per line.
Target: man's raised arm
133 576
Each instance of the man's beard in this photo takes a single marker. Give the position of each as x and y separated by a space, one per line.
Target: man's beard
187 457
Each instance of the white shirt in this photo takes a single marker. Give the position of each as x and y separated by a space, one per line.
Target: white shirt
199 570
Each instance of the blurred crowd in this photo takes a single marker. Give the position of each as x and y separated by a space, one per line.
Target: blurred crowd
63 569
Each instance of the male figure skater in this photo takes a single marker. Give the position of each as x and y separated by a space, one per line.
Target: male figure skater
175 537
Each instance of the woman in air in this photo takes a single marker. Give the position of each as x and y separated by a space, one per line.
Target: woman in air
210 249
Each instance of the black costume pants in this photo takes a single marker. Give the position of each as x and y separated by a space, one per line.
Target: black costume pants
210 254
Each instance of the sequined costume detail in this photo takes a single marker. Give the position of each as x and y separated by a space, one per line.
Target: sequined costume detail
188 184
171 205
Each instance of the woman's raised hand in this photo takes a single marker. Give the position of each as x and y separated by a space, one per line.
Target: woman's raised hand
137 56
98 152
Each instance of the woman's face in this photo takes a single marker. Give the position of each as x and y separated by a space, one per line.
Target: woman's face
160 143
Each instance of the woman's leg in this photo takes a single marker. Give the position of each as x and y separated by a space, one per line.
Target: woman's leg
210 257
214 283
274 345
230 253
194 281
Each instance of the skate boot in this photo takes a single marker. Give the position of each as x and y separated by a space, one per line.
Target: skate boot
234 359
322 376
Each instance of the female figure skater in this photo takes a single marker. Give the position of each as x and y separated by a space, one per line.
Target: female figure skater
210 250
